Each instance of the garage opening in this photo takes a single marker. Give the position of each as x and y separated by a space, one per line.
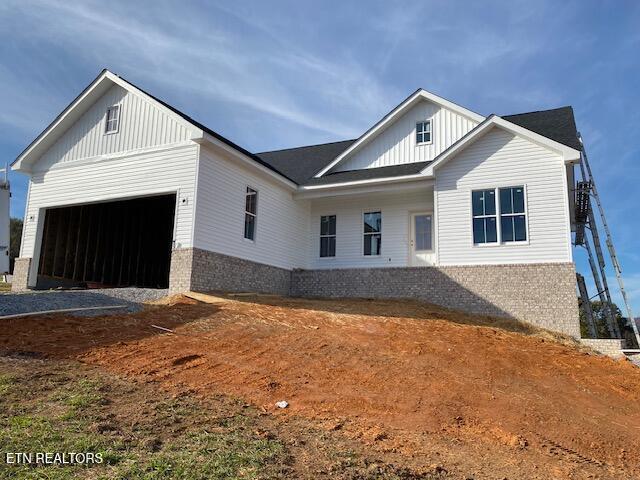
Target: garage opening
111 244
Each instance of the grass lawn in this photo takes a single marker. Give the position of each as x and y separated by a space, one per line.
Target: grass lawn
143 432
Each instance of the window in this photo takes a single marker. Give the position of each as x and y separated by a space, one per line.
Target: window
423 132
112 118
372 233
484 216
250 213
512 215
422 232
328 236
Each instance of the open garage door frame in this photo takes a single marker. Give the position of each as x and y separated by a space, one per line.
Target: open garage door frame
117 243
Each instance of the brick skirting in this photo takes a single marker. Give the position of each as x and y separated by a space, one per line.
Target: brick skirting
611 347
202 270
19 282
540 294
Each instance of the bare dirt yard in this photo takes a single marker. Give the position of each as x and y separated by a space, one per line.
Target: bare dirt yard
409 390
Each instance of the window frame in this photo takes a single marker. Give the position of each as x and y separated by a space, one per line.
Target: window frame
499 241
117 119
364 234
321 236
254 215
430 122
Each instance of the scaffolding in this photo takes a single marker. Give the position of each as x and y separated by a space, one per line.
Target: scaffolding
585 219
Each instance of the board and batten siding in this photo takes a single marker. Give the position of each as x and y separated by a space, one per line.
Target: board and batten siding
395 208
501 159
397 143
281 224
141 125
162 171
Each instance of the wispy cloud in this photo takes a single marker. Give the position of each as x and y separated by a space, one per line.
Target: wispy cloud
217 64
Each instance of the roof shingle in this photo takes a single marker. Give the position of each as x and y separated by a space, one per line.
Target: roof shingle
557 124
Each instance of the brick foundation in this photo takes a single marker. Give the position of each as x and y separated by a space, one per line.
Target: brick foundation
612 347
540 294
20 280
180 270
201 270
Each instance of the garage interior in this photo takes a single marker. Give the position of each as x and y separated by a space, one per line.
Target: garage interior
113 244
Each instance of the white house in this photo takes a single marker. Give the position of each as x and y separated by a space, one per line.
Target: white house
434 202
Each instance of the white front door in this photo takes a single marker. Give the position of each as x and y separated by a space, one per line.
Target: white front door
421 241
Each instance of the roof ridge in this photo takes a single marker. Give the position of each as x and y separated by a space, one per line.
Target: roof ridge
306 146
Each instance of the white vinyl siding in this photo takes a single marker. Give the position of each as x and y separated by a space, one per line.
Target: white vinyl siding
397 143
140 125
165 171
281 230
500 159
396 209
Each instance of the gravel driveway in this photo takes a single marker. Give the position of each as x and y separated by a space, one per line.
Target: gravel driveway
36 301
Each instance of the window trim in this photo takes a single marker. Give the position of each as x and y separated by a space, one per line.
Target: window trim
106 119
254 215
499 241
430 122
320 236
362 232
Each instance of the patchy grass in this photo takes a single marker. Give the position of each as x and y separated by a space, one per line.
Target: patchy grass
145 433
63 413
5 287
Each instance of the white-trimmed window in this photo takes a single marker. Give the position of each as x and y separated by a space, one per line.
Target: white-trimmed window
513 218
372 233
250 213
112 119
423 132
485 228
510 203
328 236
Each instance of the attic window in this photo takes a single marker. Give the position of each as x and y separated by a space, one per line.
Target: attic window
423 132
112 119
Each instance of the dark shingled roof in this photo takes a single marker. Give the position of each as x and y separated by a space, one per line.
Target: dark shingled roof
302 163
369 173
557 124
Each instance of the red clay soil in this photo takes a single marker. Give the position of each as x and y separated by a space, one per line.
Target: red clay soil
478 396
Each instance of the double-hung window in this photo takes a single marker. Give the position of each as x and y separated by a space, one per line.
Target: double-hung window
423 132
328 236
112 119
250 213
485 228
372 233
512 214
510 203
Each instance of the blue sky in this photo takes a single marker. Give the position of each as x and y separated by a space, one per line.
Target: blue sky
275 74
